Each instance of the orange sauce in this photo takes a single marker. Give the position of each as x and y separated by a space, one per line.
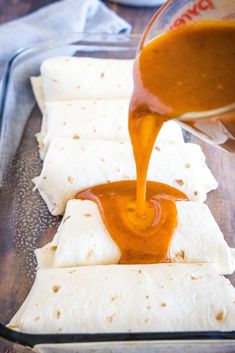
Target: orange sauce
140 239
189 69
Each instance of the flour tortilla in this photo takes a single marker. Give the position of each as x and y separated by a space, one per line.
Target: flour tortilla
122 298
94 119
71 78
36 84
82 239
73 165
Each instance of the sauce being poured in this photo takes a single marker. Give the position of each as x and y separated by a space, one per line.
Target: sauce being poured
189 69
140 239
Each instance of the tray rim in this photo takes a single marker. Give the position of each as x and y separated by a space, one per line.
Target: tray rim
35 339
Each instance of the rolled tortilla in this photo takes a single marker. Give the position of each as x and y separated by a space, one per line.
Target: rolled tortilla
72 78
73 165
122 298
82 239
94 119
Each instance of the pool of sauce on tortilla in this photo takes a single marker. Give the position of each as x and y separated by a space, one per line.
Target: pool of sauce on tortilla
188 69
140 239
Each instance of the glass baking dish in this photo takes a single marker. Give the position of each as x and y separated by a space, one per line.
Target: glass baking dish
26 224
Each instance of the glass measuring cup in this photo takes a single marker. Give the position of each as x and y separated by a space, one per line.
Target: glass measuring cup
215 126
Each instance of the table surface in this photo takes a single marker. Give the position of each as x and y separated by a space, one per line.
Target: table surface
221 201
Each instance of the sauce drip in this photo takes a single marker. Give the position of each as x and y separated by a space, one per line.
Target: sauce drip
140 239
189 69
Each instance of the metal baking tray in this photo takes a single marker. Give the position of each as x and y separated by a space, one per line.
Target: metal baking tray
26 224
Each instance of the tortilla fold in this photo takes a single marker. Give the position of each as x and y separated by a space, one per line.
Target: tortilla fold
82 239
105 119
72 78
36 84
73 165
134 298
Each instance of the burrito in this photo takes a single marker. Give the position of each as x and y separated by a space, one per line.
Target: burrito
72 78
128 298
82 239
94 119
73 165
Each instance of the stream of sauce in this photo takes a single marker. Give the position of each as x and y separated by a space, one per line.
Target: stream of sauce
189 69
